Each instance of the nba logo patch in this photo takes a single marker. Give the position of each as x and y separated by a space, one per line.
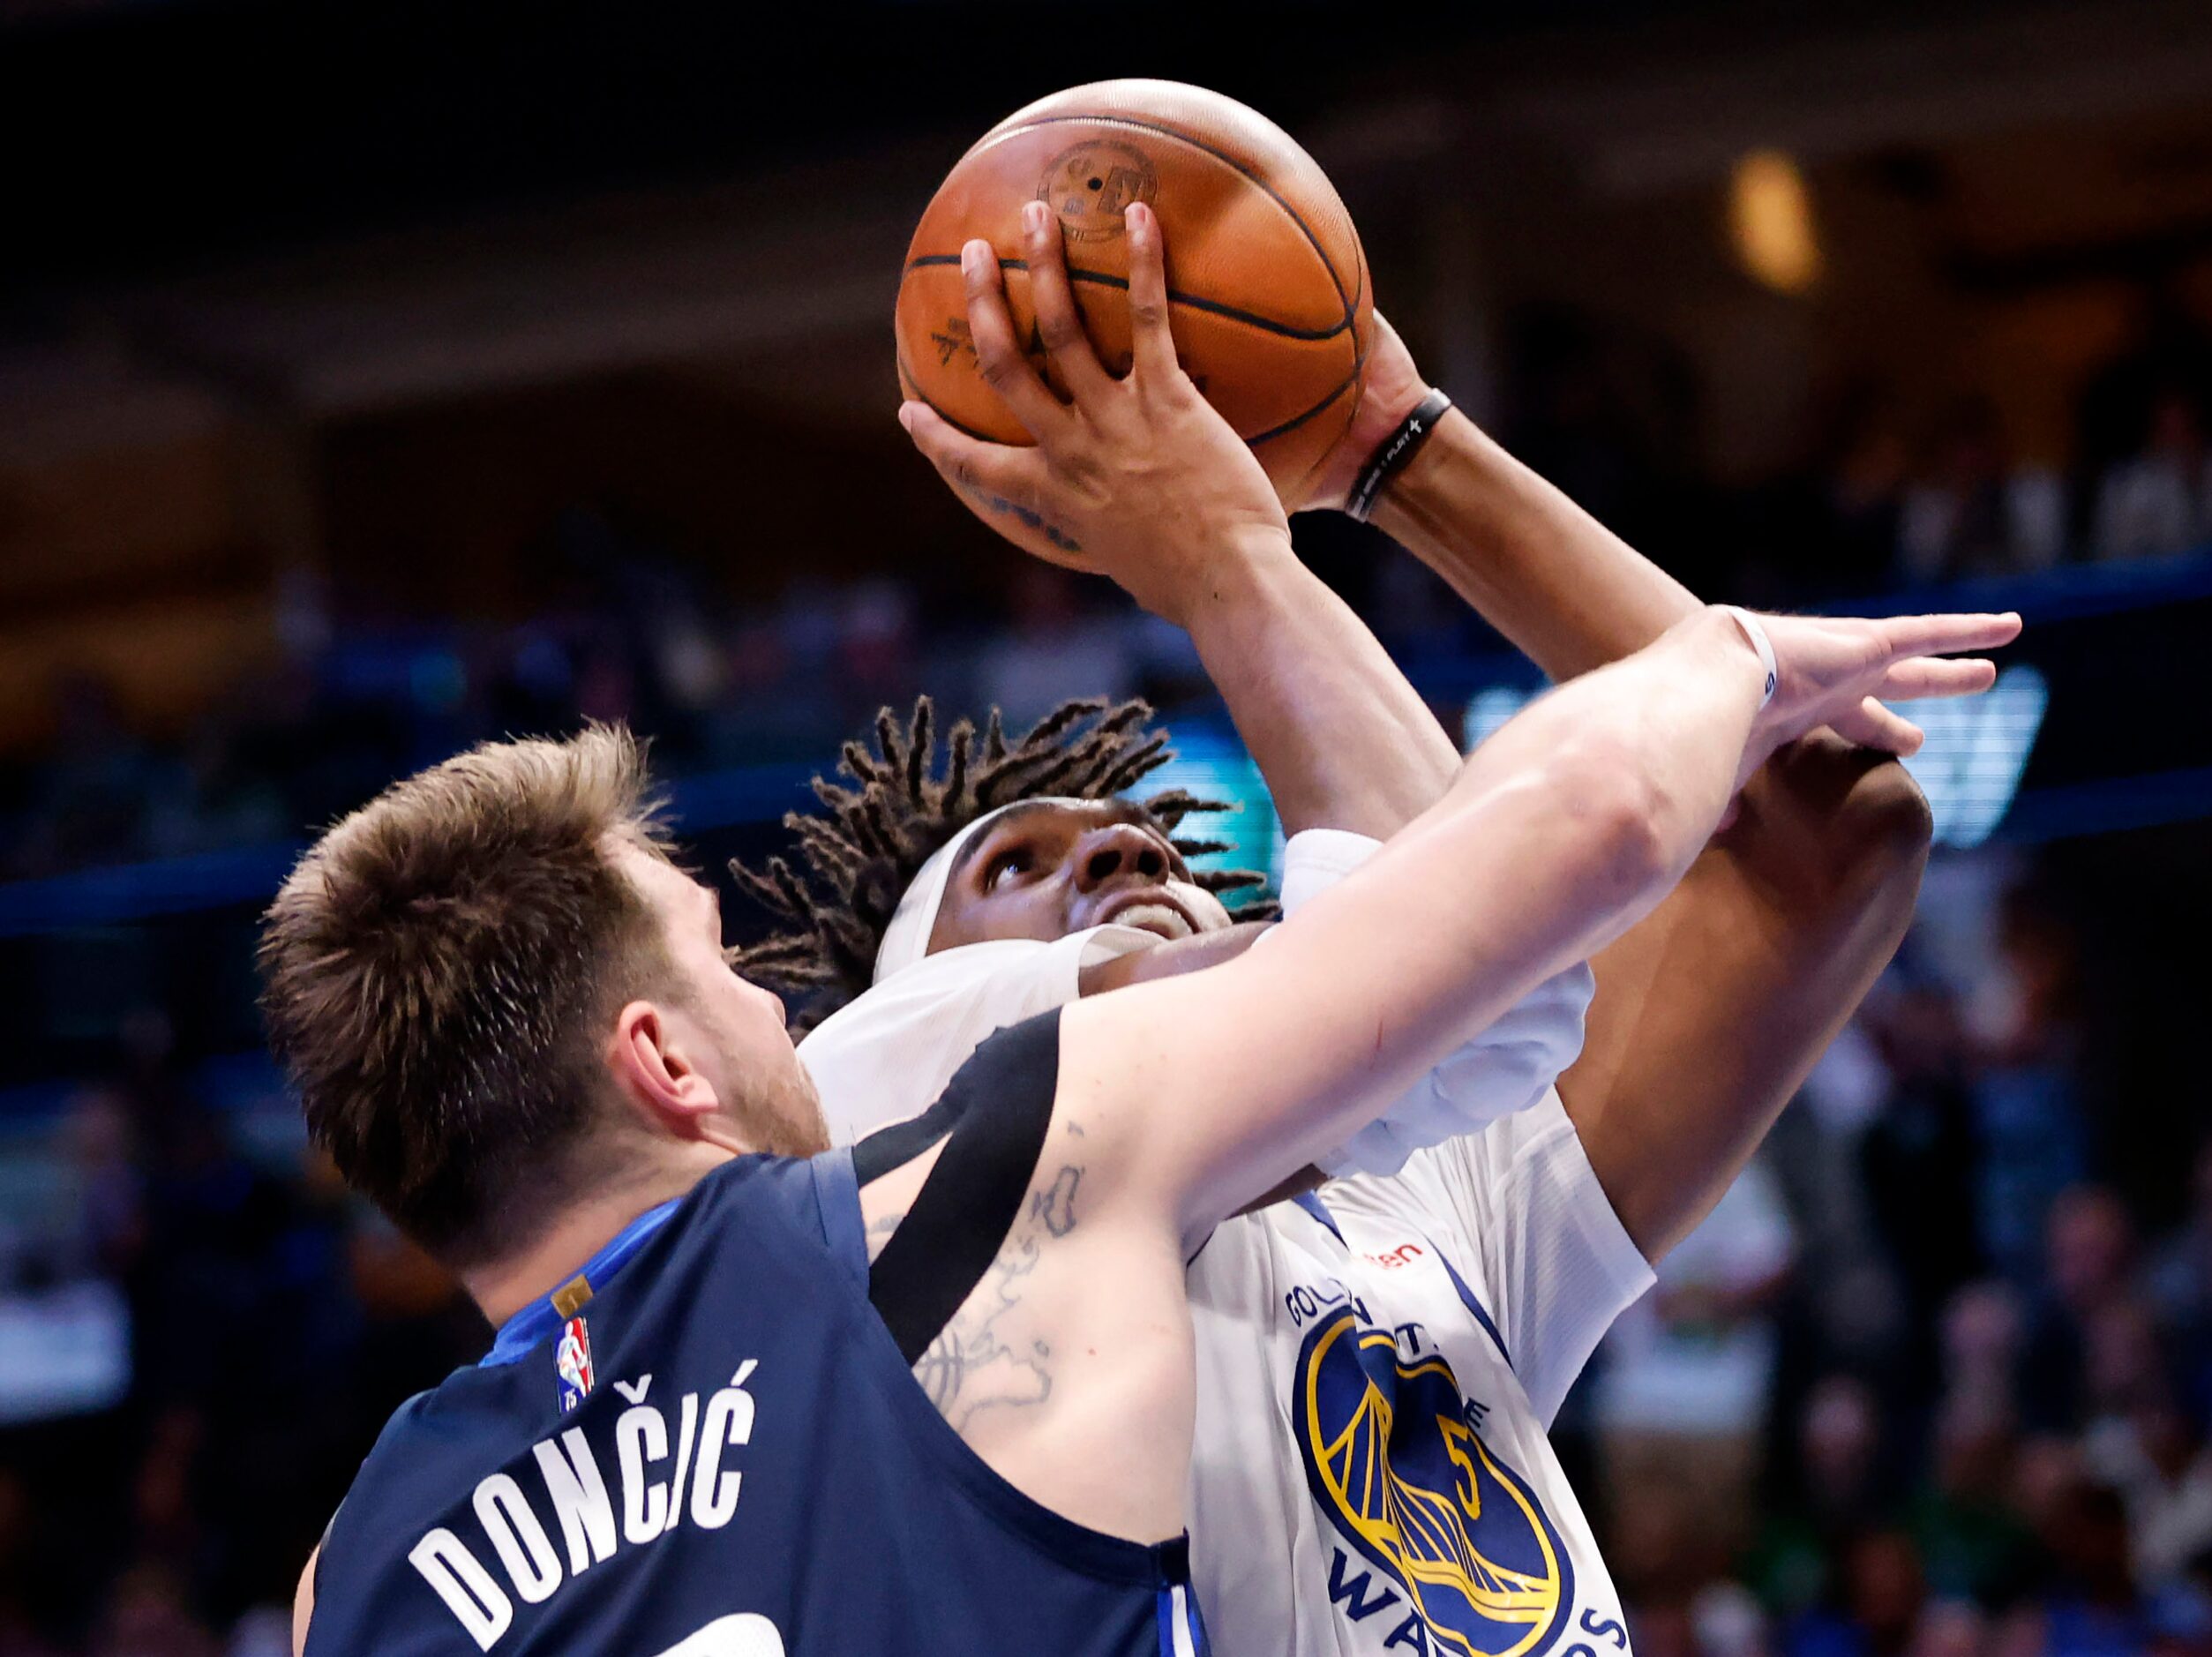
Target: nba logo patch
571 1359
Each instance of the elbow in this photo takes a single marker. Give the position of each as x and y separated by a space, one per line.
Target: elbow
1888 824
1836 826
1884 841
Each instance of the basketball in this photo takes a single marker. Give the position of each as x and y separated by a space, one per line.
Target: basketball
1267 283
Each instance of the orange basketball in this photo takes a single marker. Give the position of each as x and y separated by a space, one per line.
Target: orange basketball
1271 306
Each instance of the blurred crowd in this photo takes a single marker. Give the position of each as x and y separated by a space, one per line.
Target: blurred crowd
199 1335
1945 1389
632 636
1881 498
624 629
1935 1380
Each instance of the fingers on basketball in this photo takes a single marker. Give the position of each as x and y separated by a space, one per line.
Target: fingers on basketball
998 359
1152 336
970 465
1060 328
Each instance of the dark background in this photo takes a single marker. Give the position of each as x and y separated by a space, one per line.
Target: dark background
377 379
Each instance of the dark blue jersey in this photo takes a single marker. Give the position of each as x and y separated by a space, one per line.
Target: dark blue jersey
720 1452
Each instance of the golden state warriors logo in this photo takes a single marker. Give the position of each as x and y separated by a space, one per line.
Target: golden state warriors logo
1393 1457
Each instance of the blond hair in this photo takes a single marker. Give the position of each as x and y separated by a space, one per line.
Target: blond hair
438 973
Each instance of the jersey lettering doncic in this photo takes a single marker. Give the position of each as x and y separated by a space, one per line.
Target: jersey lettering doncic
714 1449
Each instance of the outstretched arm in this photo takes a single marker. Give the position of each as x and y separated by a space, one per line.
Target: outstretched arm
1560 833
1566 827
1709 1014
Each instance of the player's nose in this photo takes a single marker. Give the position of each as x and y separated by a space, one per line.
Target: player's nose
1118 851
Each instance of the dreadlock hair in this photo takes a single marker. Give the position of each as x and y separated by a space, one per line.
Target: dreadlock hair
903 806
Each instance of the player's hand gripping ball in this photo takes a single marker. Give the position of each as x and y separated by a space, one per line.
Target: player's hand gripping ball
1270 305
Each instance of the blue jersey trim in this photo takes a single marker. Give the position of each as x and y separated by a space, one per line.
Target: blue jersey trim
1193 1620
540 1320
1466 1298
837 1197
1312 1206
1096 1553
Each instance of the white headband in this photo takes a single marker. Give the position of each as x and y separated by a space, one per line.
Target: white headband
906 940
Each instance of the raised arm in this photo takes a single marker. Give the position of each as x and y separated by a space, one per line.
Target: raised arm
1569 825
1341 737
1560 833
1571 594
1709 1014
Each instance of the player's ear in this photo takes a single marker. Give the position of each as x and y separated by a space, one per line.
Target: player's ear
655 1076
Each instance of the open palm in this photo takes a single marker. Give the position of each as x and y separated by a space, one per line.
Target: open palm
1838 671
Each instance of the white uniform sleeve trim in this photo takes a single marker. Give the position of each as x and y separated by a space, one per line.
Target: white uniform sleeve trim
1505 1068
1520 1214
1582 1268
1314 859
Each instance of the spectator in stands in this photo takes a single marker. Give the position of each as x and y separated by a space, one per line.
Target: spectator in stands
1838 1494
1918 1155
1056 641
1863 493
1975 1547
1690 1368
1974 511
2159 501
1877 1608
2092 1608
2024 1027
2156 1458
2089 1252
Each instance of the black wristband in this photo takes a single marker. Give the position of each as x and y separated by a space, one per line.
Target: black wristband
1391 454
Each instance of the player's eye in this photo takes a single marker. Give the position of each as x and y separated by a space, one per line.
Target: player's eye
1013 861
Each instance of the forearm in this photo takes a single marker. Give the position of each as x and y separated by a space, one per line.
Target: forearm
1562 829
1342 739
1712 1011
1565 590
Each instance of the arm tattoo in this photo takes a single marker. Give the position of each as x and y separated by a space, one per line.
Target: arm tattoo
879 1230
1055 1206
969 1368
1024 515
975 1365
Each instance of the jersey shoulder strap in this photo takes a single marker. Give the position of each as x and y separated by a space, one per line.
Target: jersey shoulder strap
993 1117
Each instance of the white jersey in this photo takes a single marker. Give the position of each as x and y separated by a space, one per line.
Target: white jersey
1377 1369
1371 1473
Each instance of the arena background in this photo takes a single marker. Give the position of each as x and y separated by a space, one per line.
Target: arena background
375 378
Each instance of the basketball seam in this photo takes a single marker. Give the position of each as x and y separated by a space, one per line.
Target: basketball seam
1351 304
906 375
1295 421
1213 307
1304 229
915 385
